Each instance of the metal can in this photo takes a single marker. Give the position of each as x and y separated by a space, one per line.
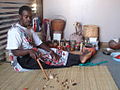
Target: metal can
77 46
72 44
62 44
67 46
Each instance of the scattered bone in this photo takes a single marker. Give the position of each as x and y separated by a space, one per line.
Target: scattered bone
67 87
44 86
51 86
51 76
62 83
74 84
71 81
66 83
66 80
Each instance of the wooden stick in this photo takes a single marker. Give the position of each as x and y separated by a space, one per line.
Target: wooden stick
46 75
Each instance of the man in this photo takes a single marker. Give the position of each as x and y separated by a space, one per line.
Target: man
23 42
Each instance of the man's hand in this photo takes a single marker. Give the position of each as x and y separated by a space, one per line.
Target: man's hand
54 55
34 54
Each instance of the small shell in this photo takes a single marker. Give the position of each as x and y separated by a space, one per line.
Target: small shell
44 86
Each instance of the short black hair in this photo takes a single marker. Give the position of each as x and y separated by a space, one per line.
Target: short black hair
26 8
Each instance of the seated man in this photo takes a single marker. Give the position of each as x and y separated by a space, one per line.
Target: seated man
22 43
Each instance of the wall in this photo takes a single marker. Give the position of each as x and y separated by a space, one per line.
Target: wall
104 13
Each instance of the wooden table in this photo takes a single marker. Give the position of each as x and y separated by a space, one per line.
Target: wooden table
72 78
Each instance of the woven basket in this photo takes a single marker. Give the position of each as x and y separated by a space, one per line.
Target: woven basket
57 25
90 31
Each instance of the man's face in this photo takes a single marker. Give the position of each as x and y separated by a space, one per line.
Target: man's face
26 18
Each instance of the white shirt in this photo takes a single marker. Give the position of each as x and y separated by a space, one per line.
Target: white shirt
17 40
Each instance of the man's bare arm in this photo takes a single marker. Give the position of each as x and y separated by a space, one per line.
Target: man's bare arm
21 52
45 47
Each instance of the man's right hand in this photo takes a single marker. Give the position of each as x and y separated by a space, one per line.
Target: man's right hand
34 54
54 55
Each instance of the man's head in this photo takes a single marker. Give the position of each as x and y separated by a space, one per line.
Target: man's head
25 14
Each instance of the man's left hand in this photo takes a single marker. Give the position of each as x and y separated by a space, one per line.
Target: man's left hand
54 55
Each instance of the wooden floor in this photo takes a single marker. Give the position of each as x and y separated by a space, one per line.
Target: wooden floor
73 78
